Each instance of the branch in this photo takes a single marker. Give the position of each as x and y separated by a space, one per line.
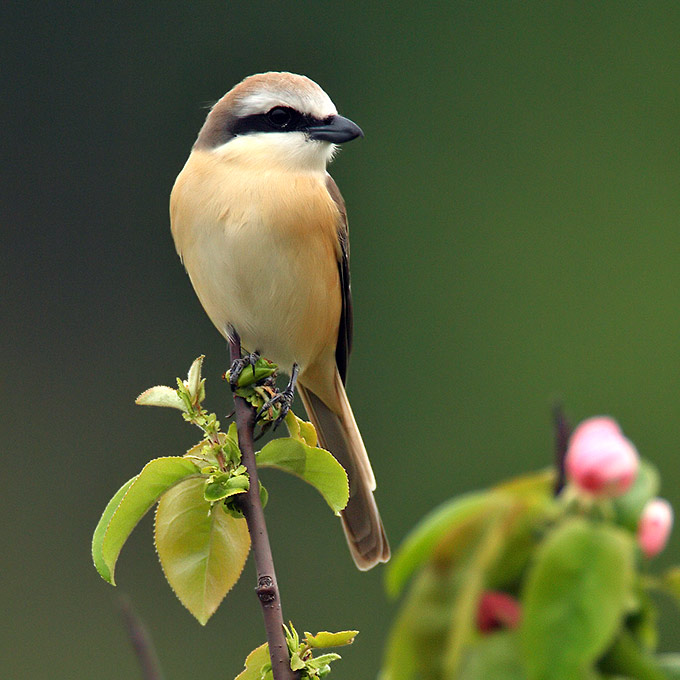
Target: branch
562 434
141 642
267 589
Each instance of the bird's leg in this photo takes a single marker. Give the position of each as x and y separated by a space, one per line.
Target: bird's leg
238 366
284 399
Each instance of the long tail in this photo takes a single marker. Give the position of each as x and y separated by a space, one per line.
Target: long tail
338 432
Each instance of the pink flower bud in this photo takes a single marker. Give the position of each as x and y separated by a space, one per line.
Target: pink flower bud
600 459
655 526
496 611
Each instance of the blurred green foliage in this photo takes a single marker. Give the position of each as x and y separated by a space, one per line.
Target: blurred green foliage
515 583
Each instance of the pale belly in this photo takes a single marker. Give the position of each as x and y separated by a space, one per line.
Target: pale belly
278 289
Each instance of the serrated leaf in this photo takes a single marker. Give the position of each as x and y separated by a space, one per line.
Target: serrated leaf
301 429
257 665
161 395
324 639
226 486
323 660
574 598
628 507
308 433
203 455
418 545
100 531
293 425
156 477
315 466
194 377
296 663
202 552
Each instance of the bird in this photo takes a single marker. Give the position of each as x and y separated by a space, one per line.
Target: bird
261 228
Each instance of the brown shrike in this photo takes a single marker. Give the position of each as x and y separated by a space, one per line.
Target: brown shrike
262 230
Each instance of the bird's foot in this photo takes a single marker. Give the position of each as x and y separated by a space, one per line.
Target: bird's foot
283 399
239 365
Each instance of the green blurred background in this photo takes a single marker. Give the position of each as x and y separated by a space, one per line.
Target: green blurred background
515 213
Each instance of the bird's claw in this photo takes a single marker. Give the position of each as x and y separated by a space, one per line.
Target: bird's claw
284 399
239 365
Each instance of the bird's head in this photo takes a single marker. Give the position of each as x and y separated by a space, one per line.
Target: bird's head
281 117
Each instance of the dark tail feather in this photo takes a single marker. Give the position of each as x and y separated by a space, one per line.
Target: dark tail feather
338 433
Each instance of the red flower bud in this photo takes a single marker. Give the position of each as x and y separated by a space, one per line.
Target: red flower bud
600 460
655 526
496 611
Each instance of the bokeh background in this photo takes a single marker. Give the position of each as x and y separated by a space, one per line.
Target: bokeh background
514 212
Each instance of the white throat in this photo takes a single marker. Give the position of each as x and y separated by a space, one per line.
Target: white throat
290 150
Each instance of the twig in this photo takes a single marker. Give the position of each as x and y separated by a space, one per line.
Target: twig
562 434
141 642
267 589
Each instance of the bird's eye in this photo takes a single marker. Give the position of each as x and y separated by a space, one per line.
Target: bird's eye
279 117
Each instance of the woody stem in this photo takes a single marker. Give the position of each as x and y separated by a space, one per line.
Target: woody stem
267 589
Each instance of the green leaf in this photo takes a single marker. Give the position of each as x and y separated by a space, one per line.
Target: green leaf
225 485
253 374
642 618
574 598
300 429
100 531
451 520
202 551
520 544
472 575
161 395
533 484
324 639
321 661
419 544
292 637
264 496
625 657
439 616
315 466
296 663
628 507
416 642
145 489
258 665
308 433
494 657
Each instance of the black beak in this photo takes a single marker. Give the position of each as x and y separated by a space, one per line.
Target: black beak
336 130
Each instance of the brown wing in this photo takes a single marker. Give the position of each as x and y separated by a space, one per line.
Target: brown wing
344 345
